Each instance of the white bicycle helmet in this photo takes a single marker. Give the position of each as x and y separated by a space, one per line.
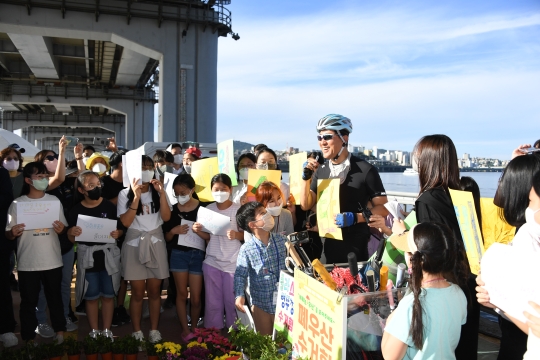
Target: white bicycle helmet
334 122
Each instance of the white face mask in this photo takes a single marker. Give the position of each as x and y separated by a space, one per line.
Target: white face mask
11 165
183 199
178 159
529 216
51 165
243 173
275 210
84 160
268 222
147 175
221 196
187 168
99 168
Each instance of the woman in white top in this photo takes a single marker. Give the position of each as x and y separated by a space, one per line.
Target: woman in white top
221 253
143 209
245 162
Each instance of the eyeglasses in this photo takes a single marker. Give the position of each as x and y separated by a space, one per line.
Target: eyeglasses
51 157
325 137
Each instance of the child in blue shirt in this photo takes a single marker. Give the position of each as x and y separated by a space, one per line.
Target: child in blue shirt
261 258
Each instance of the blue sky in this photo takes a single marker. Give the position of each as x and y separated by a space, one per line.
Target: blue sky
399 70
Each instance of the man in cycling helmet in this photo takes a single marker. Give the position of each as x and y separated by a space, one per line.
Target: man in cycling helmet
360 185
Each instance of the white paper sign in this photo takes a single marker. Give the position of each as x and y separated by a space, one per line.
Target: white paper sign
38 214
191 239
394 208
134 166
125 177
168 182
213 222
511 288
95 229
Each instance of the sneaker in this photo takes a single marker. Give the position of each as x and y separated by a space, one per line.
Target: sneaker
81 309
59 339
94 333
45 331
72 316
70 326
108 334
139 336
154 336
9 339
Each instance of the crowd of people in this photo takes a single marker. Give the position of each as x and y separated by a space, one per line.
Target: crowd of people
239 271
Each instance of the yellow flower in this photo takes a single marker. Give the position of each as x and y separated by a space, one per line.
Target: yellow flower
195 343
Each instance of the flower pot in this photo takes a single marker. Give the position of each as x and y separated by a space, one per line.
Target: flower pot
74 357
56 358
118 356
106 356
131 356
91 356
153 357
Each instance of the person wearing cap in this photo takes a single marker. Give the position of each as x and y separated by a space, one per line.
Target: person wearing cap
360 183
98 163
427 322
190 155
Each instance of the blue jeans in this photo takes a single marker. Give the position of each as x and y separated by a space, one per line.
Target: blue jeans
67 270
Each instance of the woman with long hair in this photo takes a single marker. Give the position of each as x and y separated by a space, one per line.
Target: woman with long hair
143 208
245 162
427 322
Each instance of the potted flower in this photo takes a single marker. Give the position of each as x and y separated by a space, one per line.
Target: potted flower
196 350
255 345
152 349
55 351
131 347
91 347
168 350
104 347
72 348
118 349
231 355
216 343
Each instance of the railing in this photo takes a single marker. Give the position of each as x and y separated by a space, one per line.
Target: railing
9 89
405 198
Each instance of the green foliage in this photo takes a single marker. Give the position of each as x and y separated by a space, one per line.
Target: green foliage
104 344
55 349
72 346
150 347
90 345
118 346
255 345
131 345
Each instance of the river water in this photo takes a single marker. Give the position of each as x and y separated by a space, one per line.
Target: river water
487 182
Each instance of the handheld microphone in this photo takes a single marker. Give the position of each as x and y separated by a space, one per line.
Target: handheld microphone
353 264
400 274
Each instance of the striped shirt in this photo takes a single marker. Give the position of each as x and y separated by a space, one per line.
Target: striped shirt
262 264
221 252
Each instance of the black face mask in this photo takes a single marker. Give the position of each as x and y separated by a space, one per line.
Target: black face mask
94 194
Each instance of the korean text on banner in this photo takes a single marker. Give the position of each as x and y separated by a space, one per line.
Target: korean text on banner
191 239
134 166
508 290
470 228
296 168
213 222
225 151
327 208
320 325
257 177
168 181
283 320
202 172
95 229
38 214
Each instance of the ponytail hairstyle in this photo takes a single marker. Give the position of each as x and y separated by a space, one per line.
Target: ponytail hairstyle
436 254
146 161
32 168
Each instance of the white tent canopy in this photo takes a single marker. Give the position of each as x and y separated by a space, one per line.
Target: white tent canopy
8 138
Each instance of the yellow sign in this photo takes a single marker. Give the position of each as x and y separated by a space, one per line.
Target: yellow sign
202 172
257 177
320 325
296 169
470 228
494 229
327 208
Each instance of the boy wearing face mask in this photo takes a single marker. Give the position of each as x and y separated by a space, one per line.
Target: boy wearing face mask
261 259
98 265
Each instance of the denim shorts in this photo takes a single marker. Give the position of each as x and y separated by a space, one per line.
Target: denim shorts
187 261
99 285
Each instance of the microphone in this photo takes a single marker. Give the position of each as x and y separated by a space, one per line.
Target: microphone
400 274
353 264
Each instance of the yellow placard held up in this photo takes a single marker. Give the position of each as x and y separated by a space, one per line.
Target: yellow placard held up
296 169
257 177
494 229
202 172
327 208
470 228
320 322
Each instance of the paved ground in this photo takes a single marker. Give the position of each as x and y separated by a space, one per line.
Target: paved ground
170 329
